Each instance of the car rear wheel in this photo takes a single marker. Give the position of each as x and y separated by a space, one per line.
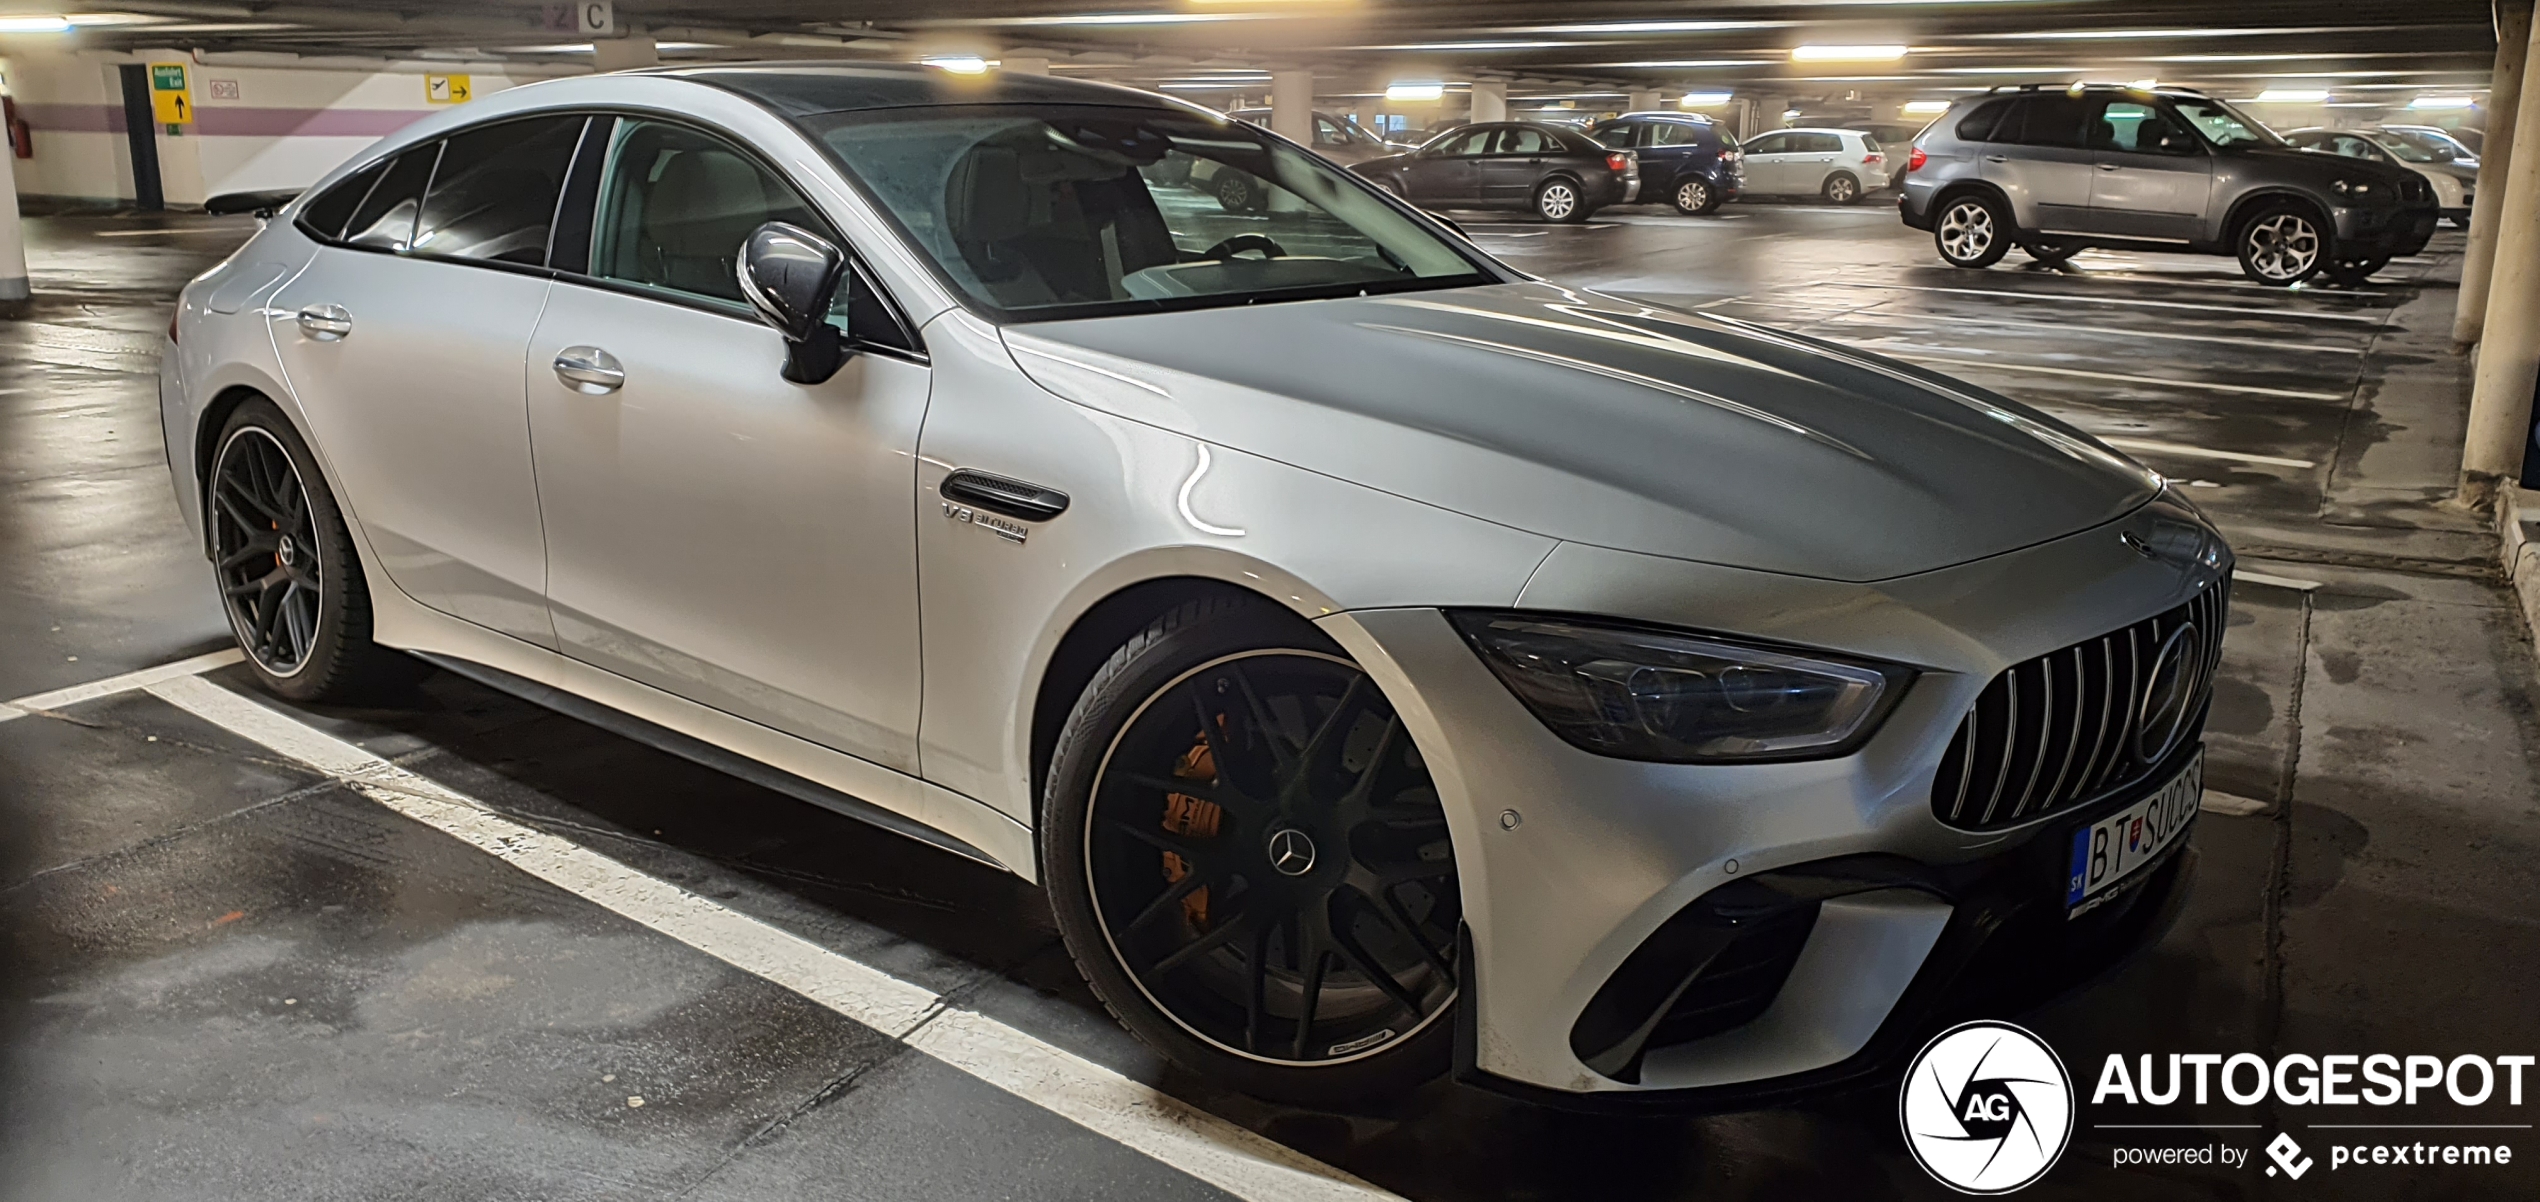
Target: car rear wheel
284 560
1237 192
2281 245
1696 198
1972 232
1840 188
1249 862
1557 199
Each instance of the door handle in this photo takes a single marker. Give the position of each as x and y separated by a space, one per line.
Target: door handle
588 369
2108 166
326 323
1997 158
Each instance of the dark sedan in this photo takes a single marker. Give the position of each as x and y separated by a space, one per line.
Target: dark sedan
1561 174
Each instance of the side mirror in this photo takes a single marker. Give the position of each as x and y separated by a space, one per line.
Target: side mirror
791 276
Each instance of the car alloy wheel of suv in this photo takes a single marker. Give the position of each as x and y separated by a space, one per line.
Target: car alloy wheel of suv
1694 198
2280 246
1970 233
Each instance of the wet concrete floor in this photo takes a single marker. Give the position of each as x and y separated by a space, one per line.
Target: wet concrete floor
230 976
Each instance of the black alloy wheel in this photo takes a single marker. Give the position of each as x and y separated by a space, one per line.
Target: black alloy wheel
1254 868
266 551
1237 192
283 558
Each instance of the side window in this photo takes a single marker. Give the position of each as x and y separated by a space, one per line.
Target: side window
1523 141
495 191
325 215
1825 143
386 218
2139 128
2356 148
1675 133
1328 134
1467 143
2046 119
1978 125
675 206
1617 136
1773 143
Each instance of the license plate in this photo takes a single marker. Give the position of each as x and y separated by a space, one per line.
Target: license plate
2107 852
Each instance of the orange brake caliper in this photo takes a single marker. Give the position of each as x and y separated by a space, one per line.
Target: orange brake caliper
1191 818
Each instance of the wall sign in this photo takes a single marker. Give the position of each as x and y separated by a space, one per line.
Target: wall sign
445 89
170 104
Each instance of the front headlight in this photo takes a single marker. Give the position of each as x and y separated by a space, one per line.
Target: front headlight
1641 694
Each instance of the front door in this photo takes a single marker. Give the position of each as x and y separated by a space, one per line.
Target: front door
713 530
1448 173
1767 163
403 342
2041 159
2153 178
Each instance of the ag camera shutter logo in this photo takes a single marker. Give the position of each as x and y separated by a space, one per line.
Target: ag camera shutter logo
1987 1108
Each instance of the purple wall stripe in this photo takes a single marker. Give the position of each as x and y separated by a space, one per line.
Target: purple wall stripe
231 121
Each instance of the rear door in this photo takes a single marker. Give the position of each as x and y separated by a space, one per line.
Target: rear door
2153 178
1515 161
1814 157
2046 169
403 340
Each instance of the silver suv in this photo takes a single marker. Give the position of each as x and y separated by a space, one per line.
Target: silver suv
2055 170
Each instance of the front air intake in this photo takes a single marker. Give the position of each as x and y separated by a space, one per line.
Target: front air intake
2076 725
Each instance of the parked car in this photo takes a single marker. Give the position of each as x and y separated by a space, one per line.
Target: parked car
2455 186
1386 661
2446 145
1560 174
1837 164
2472 141
2052 171
1237 191
1686 159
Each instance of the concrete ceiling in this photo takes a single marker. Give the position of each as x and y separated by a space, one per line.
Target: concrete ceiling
2384 50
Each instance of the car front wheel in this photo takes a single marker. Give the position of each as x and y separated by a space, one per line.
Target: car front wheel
2350 272
1249 862
1558 199
1972 232
1696 198
2281 246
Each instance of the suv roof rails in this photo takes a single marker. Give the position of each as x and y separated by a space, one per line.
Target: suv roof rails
2167 89
1704 118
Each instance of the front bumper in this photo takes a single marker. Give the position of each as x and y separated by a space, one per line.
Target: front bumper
2384 233
1572 862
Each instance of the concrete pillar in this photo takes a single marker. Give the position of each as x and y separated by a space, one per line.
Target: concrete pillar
1292 105
2504 97
2509 351
1490 100
13 284
1015 64
624 54
1644 100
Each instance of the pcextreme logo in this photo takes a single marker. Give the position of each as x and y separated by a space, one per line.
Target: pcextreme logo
1987 1108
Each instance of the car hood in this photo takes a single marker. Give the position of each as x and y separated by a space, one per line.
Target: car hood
2321 164
1596 420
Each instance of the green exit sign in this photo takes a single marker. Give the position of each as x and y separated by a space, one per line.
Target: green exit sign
167 77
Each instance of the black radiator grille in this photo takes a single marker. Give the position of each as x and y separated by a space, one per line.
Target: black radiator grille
2065 728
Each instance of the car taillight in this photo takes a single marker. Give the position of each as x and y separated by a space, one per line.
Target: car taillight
1874 157
1618 161
1916 162
1731 156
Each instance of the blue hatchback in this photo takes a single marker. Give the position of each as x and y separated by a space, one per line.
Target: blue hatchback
1685 158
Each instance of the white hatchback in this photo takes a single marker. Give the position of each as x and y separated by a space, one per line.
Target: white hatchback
1837 164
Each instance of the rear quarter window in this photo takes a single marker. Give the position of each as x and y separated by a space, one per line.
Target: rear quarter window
326 214
1978 126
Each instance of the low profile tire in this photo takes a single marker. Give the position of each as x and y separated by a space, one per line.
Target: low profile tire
1237 192
289 578
1840 188
1558 199
1972 231
1249 863
1696 198
2281 245
2350 272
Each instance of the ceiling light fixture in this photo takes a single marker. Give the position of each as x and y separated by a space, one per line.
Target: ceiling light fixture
2292 96
1414 92
2147 84
958 64
1921 108
1846 54
2422 103
1654 27
35 24
1702 100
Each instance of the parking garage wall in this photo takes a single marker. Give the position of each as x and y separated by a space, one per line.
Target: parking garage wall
256 125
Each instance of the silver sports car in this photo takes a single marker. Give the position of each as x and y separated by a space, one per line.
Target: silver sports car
1389 662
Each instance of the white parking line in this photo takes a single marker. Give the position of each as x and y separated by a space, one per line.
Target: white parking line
73 695
1102 1101
2038 369
2172 448
2068 298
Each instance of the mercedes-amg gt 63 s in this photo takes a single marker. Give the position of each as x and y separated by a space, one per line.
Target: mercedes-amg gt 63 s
1390 663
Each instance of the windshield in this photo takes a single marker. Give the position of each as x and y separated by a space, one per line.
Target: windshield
1046 211
2401 147
2436 149
2224 125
